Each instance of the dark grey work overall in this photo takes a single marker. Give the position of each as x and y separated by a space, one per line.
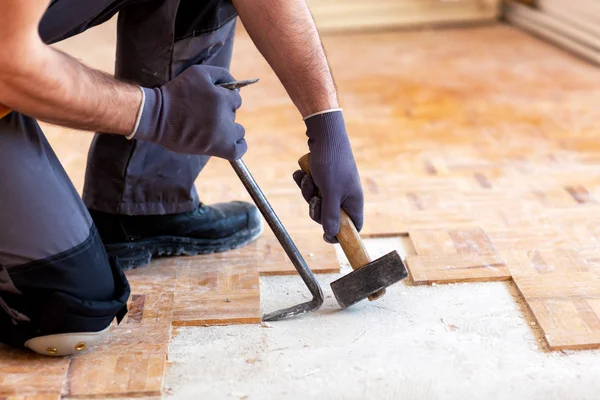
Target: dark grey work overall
55 276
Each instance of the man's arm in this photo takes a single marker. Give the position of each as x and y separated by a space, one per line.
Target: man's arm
49 85
285 34
46 84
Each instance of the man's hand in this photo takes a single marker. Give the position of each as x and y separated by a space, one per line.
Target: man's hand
192 114
334 172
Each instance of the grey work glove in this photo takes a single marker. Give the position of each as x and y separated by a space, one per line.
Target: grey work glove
333 172
192 115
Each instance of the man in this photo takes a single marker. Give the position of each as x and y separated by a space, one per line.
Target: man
161 117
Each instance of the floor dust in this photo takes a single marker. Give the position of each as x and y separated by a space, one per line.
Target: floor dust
457 341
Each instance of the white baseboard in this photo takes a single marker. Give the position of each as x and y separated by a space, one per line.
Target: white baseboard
340 15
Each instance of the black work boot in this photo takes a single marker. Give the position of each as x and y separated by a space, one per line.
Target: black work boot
133 240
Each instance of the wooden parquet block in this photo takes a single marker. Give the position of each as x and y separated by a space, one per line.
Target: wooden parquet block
517 209
425 270
581 225
152 294
379 221
429 220
221 289
432 242
454 255
562 289
158 277
471 240
25 375
439 207
217 309
115 375
542 237
556 197
135 338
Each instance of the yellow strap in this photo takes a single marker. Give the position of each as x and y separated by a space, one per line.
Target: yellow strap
4 111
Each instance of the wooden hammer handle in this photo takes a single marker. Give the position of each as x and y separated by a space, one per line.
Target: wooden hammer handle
348 236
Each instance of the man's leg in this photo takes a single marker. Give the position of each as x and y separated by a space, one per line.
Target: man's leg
142 196
58 290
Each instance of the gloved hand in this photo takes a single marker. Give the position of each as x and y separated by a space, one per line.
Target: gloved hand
192 115
333 172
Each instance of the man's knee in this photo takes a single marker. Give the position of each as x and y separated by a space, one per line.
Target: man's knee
64 304
68 325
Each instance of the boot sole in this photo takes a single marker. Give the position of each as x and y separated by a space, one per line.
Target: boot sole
136 254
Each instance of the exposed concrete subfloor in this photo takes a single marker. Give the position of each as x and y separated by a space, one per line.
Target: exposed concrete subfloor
460 341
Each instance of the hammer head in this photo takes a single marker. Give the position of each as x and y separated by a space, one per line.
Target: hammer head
365 281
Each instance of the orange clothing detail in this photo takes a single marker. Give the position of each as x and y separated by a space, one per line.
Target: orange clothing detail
4 111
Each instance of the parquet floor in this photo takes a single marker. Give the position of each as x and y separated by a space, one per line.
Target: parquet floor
479 145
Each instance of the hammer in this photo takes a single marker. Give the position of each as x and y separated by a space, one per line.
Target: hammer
369 278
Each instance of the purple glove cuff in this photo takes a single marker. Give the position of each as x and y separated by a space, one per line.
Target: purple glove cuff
328 141
147 128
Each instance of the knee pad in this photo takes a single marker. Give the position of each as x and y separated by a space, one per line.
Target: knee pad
69 325
65 344
66 304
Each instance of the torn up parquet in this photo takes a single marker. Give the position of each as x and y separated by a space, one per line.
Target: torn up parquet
220 288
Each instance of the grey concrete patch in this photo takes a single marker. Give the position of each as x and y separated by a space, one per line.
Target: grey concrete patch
461 341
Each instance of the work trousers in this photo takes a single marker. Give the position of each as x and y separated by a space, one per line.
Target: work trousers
55 276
